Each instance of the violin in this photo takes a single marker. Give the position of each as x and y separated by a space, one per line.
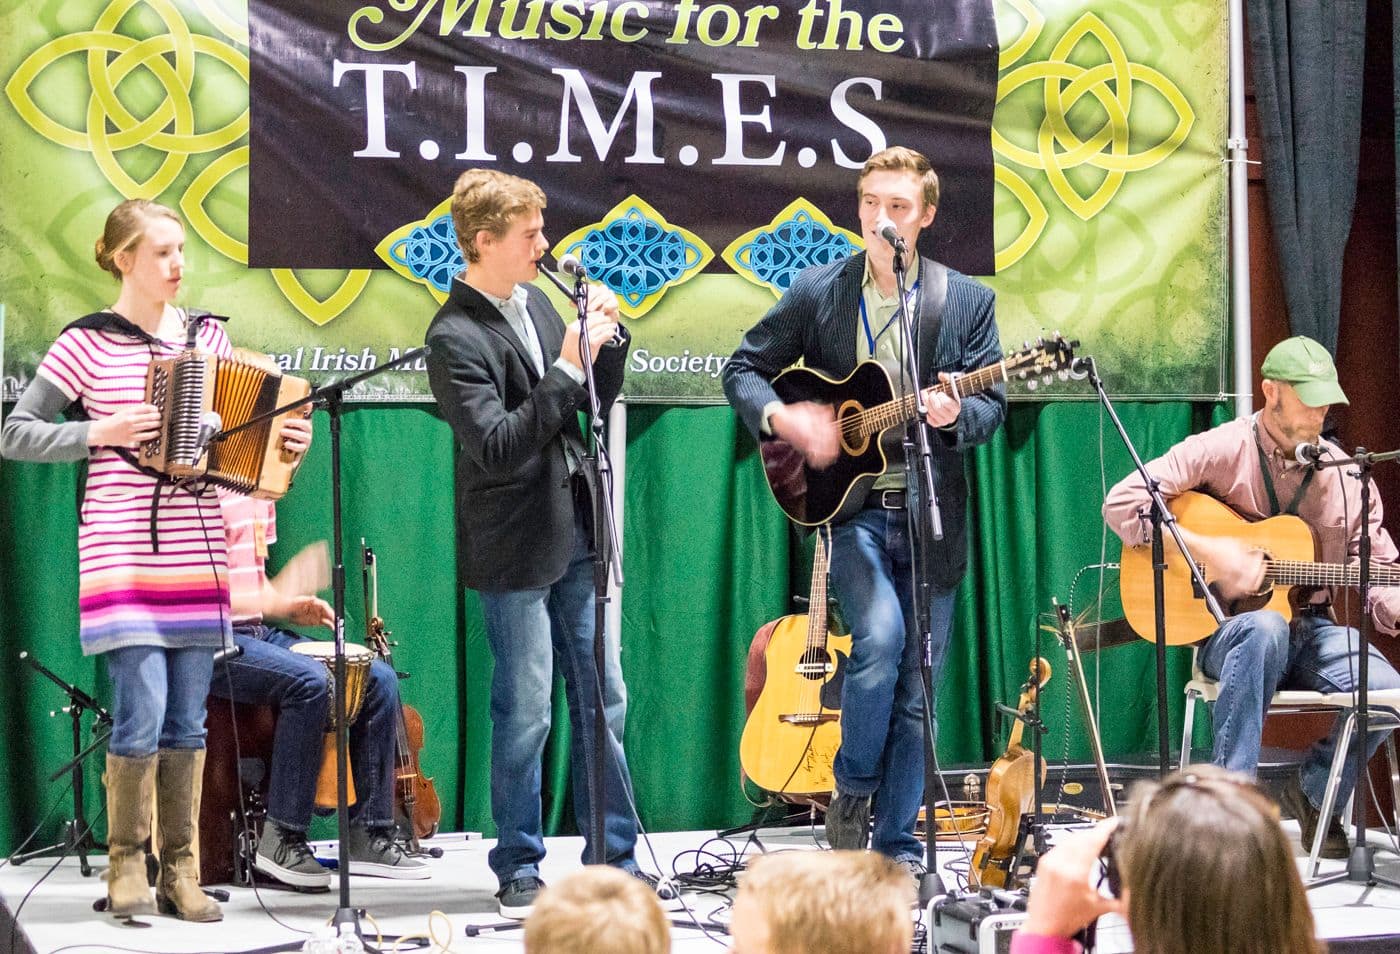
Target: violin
1010 794
417 811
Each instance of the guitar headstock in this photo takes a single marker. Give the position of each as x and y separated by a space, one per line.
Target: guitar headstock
1042 361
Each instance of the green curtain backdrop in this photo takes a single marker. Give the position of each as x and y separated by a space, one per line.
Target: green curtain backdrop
709 558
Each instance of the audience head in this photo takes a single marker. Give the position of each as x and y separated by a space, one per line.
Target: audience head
823 902
1203 868
598 909
1207 869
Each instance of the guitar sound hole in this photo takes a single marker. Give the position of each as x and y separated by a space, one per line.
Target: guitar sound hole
815 664
851 440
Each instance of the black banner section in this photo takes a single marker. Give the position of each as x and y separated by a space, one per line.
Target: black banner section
717 115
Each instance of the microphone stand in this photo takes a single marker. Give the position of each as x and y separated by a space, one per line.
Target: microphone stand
1361 863
605 560
76 832
331 397
1160 517
925 527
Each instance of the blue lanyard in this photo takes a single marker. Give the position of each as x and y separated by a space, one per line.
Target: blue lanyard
911 298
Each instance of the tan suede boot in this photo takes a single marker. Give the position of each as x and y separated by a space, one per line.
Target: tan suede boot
179 785
130 792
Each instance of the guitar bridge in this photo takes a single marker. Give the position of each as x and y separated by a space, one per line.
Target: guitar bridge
810 718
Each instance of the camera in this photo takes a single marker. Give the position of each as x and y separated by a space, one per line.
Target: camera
1112 877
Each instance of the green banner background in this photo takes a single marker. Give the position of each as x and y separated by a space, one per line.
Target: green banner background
1110 197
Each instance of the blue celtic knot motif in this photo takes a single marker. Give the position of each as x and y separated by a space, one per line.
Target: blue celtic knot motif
777 255
431 253
636 256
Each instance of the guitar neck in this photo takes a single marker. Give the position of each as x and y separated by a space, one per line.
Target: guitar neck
816 600
906 408
1307 573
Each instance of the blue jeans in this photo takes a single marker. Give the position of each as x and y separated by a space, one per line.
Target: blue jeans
157 698
882 706
268 673
530 632
1255 654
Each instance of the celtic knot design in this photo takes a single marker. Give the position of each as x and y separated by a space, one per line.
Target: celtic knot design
637 253
1107 139
116 124
798 236
430 253
168 126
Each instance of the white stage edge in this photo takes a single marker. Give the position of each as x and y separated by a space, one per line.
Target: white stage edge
59 916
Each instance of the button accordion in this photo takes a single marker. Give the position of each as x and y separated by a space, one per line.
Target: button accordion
191 388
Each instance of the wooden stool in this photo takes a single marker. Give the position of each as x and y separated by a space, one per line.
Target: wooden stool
219 817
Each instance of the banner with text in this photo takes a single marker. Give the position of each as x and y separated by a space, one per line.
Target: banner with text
696 155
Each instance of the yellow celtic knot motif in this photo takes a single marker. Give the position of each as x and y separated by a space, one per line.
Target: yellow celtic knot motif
168 127
1062 144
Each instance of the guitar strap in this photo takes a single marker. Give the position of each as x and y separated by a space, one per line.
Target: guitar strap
1269 480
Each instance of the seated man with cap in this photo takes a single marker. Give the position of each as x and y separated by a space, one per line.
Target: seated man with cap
1260 467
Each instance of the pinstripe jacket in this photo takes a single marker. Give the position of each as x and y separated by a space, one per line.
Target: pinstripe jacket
816 322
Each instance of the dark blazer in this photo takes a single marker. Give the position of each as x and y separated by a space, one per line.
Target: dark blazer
515 507
816 321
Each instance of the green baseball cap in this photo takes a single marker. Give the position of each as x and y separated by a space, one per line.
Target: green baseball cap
1305 364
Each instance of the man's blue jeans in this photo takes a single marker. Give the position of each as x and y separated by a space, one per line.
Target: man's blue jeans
298 687
1255 654
158 698
529 632
882 706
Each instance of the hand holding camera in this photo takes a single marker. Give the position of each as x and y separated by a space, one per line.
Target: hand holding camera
1065 896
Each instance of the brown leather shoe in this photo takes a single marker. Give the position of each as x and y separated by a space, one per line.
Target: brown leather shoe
1295 803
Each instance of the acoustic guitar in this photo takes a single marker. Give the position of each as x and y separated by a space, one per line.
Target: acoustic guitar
1290 571
794 729
866 407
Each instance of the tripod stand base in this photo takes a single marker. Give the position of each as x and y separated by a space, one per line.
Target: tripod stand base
71 842
1360 869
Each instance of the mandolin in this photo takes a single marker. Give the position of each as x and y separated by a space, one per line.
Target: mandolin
417 811
866 407
794 728
1290 570
1010 794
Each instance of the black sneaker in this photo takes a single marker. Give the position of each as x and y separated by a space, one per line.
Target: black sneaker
284 854
1294 803
665 891
517 897
374 852
848 821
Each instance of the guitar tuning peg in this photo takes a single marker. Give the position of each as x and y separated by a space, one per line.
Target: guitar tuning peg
1064 374
1032 384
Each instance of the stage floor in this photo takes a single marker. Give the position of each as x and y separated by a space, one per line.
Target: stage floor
59 915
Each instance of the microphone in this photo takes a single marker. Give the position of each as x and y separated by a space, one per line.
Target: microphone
570 265
890 234
1309 454
210 423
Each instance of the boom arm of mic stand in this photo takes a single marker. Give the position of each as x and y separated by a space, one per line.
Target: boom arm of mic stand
318 394
1168 519
78 696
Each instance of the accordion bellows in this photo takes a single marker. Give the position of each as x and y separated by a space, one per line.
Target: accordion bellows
192 387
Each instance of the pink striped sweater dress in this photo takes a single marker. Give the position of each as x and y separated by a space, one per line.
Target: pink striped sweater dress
174 595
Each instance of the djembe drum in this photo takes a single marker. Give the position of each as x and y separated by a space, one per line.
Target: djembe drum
357 663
